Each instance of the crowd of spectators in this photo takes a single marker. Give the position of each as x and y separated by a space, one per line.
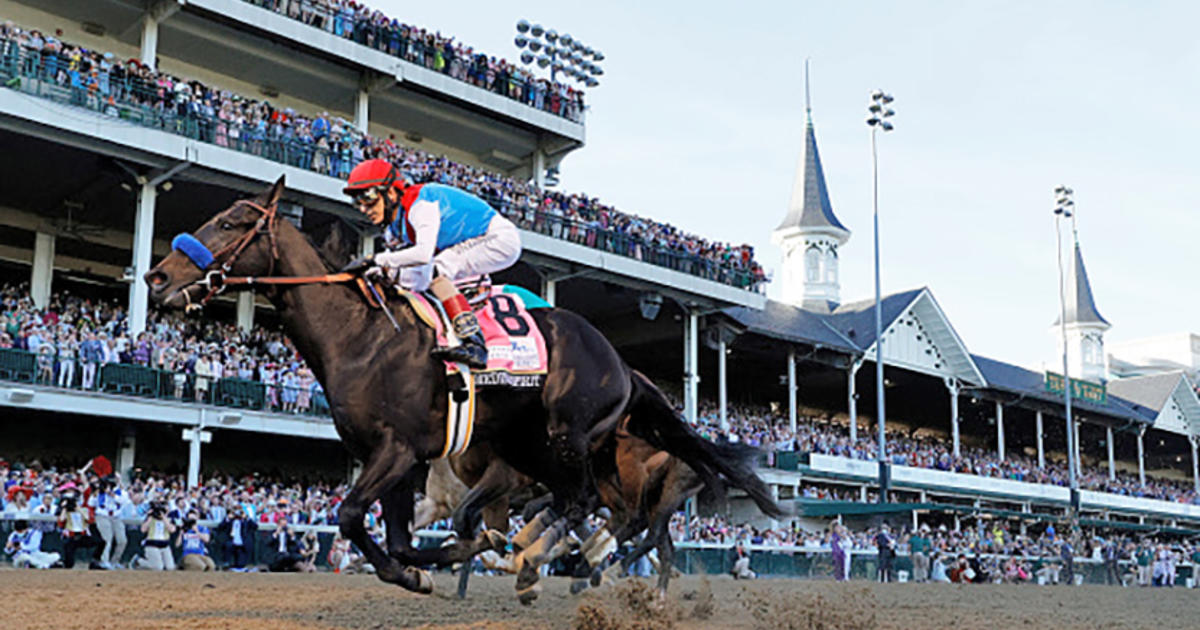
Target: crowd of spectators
74 337
357 22
83 503
989 552
331 145
759 426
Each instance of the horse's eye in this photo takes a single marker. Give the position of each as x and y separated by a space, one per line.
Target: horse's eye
225 225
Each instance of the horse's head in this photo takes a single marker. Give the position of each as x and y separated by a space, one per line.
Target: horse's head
239 240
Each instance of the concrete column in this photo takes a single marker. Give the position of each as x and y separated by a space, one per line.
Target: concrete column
126 452
1141 457
1000 429
143 241
791 385
1112 465
1040 447
149 51
691 376
1195 465
43 269
852 388
538 167
550 291
722 385
1079 462
952 385
362 110
366 244
195 437
245 310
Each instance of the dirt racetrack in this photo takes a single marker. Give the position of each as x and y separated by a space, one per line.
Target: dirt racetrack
62 600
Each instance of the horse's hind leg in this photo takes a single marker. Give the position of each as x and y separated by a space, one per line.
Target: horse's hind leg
385 468
498 481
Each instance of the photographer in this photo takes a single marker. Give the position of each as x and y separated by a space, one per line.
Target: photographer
106 502
193 540
76 533
239 537
156 547
287 548
25 546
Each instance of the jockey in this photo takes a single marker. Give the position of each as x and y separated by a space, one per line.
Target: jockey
435 235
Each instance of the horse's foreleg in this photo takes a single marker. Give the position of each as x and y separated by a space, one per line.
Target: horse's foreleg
385 468
397 505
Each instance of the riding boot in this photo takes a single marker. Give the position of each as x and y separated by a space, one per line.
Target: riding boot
471 349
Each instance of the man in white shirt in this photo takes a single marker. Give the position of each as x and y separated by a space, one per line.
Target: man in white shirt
25 546
107 505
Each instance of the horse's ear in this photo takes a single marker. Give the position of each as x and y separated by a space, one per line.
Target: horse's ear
274 193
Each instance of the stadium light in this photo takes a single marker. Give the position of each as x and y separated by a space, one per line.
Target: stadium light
878 117
563 53
1064 208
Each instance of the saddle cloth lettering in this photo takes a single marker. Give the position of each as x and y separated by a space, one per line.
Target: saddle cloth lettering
517 354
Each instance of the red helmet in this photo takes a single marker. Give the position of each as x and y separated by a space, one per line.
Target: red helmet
372 174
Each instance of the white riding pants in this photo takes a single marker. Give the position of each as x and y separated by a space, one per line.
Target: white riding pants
112 530
497 250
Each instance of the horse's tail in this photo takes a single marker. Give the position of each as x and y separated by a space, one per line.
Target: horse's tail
653 419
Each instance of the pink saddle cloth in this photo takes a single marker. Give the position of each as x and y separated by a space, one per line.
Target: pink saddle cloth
517 354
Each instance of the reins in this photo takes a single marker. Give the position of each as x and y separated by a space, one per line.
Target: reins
215 280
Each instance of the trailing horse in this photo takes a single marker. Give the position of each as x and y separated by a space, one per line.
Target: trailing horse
388 395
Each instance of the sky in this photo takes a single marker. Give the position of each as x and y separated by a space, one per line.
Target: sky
699 121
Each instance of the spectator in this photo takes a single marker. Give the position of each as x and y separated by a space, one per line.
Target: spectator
918 546
885 544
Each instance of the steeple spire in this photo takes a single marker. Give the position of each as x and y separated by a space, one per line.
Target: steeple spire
810 234
1084 325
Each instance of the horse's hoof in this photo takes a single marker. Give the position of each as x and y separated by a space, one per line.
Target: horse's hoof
527 595
596 577
422 582
579 586
496 539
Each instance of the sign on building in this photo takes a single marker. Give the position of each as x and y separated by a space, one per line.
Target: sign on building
1086 391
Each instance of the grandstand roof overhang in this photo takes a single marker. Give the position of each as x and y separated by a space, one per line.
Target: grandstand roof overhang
239 39
1013 384
1171 396
917 335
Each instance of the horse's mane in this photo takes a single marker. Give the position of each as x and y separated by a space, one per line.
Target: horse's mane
333 243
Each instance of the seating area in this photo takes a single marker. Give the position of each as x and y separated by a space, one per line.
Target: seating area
760 427
359 23
83 344
41 65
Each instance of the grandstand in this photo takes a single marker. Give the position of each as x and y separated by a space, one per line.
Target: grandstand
102 173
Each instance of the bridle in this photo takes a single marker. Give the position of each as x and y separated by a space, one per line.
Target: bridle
216 280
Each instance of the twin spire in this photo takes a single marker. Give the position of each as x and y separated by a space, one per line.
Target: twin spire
810 233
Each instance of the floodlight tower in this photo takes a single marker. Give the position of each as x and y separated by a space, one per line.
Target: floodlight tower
560 53
880 113
1064 208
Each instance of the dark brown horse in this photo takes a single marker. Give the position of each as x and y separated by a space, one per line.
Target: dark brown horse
388 396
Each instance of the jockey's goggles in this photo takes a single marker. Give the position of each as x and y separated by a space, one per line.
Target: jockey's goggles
367 197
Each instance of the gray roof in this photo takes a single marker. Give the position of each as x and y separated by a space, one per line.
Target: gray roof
1081 306
809 206
1150 391
850 327
1029 384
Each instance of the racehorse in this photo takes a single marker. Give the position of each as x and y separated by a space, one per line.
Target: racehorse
388 395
